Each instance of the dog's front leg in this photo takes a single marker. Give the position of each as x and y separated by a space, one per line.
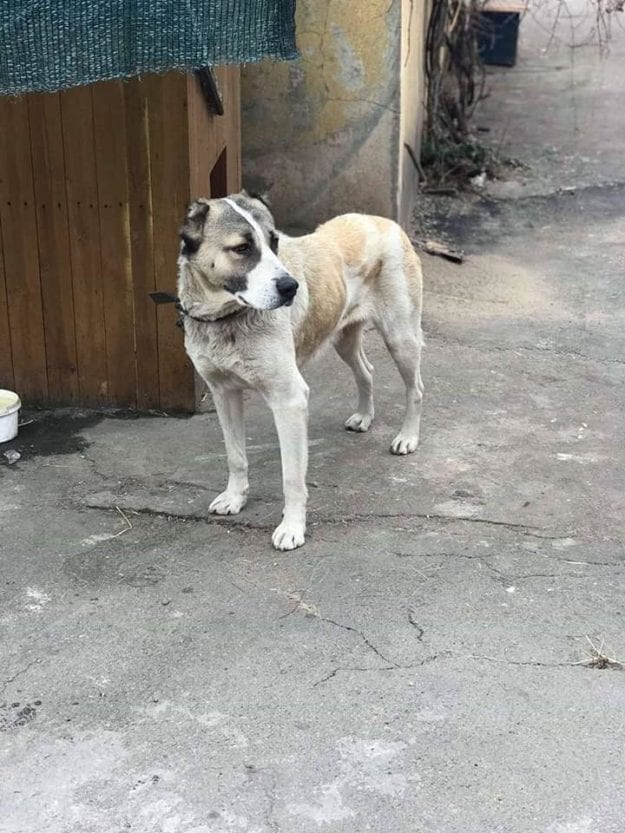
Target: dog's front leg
229 404
290 412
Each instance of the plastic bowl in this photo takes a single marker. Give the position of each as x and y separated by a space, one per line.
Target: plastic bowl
9 407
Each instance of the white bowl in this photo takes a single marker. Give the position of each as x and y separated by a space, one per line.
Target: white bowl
9 406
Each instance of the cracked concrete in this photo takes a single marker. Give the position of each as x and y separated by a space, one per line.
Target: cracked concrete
417 665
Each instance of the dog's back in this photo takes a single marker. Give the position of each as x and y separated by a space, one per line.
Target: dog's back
351 269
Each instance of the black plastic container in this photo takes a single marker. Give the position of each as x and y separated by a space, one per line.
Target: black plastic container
498 37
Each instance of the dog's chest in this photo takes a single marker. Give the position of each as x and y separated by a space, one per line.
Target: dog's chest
221 354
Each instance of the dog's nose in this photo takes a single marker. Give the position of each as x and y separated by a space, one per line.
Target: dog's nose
287 287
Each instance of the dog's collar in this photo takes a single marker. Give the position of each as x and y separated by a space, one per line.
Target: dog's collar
168 298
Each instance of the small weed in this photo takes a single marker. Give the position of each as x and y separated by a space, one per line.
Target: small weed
446 161
597 658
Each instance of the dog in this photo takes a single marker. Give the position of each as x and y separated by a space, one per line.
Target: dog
257 304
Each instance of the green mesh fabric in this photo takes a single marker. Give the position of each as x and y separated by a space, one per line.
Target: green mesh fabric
55 44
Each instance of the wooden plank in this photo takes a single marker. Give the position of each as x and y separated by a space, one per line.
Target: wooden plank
205 141
141 242
232 122
222 78
46 139
84 234
115 248
7 379
21 261
170 177
210 135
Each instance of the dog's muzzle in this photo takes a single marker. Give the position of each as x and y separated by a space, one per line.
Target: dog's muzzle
287 287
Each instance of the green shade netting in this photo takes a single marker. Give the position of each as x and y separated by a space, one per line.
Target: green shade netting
55 44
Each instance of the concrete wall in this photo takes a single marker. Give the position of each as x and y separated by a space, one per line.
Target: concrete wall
322 134
414 14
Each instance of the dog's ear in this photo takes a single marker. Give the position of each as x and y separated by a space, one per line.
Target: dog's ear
253 195
198 209
192 229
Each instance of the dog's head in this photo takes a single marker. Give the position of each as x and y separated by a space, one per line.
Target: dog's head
231 245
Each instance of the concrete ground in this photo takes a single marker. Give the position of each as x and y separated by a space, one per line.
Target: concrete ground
416 667
560 110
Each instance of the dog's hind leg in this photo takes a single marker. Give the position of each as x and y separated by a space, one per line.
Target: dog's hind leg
348 344
229 405
404 341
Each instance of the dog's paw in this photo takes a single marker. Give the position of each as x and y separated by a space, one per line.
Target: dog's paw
358 422
228 503
288 536
403 444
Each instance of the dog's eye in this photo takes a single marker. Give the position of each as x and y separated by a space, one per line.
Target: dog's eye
190 245
273 242
242 249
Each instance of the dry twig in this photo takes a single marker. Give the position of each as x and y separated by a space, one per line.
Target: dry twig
128 524
432 247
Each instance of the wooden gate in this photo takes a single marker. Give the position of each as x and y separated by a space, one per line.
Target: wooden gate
94 182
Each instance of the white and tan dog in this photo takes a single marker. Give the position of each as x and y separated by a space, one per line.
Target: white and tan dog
257 304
